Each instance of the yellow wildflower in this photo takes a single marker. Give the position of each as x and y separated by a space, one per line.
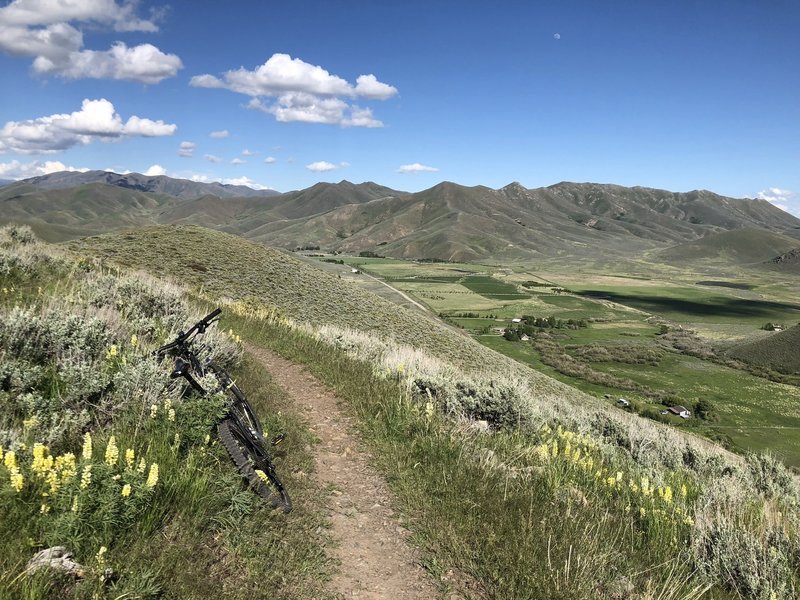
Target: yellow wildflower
112 452
142 465
646 486
86 476
167 403
101 555
642 511
112 352
171 414
667 495
261 475
1 453
65 464
44 509
42 463
87 446
542 452
30 423
152 476
684 491
134 340
429 409
554 448
688 520
10 461
619 475
17 480
130 456
74 504
126 490
52 481
153 411
207 439
610 481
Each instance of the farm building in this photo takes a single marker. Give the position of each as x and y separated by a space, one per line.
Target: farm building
355 271
681 411
516 320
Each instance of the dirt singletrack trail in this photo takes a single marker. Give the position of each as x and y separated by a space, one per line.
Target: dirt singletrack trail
376 560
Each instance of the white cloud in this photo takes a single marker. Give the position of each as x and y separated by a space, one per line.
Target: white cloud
556 36
97 119
218 135
416 168
41 29
18 170
786 200
247 152
321 166
155 171
143 63
26 13
369 87
212 158
187 149
245 181
238 161
270 160
302 92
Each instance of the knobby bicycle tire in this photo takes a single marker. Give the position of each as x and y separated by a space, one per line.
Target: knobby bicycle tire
240 449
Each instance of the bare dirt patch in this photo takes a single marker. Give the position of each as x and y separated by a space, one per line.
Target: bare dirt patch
376 560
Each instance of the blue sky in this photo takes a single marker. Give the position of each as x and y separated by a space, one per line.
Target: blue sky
679 95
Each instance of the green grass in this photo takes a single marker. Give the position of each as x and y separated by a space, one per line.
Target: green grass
489 287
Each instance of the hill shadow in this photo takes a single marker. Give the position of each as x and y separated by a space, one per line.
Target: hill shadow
719 306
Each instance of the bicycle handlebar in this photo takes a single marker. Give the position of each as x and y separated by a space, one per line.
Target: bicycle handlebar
199 327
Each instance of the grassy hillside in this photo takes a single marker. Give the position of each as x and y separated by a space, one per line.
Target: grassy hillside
739 247
522 485
779 351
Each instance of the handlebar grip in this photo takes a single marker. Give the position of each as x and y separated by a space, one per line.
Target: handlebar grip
213 314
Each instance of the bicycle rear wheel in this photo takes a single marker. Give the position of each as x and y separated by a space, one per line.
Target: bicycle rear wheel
249 458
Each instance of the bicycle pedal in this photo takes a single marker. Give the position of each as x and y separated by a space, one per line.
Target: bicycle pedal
277 439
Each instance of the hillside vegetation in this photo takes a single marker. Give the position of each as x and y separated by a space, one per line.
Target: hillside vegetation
548 493
446 222
779 351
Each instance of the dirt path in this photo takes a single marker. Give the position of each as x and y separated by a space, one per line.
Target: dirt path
376 561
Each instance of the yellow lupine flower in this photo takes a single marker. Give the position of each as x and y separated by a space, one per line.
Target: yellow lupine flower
112 452
554 448
171 414
134 340
167 403
44 509
619 475
684 491
126 490
100 556
152 476
86 477
87 446
646 486
112 351
142 465
10 461
130 456
41 464
65 464
261 475
1 453
153 411
74 504
17 480
30 423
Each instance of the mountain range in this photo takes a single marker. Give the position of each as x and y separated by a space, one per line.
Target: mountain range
445 222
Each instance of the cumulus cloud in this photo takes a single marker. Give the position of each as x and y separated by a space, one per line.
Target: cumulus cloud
41 29
219 135
245 181
321 166
299 91
247 152
238 161
786 200
211 158
155 171
270 160
96 119
18 170
416 168
187 149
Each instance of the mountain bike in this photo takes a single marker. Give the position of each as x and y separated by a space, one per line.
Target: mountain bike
240 430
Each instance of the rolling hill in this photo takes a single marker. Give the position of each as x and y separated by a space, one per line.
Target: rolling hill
160 184
445 222
779 350
740 247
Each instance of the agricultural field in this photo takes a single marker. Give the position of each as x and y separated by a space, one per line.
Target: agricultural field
748 412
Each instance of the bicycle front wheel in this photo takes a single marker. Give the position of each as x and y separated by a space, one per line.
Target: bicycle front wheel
254 465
